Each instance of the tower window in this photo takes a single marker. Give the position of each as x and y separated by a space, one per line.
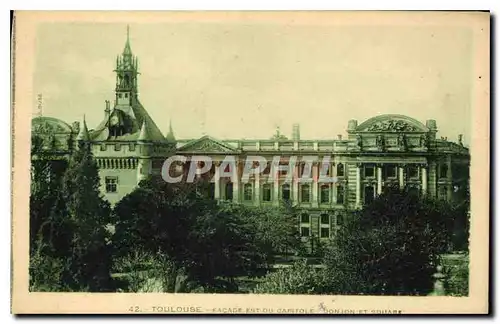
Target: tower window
119 95
111 184
126 95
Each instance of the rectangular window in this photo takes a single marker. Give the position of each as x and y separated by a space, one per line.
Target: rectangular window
369 171
111 184
325 232
304 218
340 194
248 192
413 171
325 194
117 147
369 194
266 193
390 171
304 231
340 219
325 219
304 193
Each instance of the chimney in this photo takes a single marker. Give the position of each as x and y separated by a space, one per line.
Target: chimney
339 137
296 132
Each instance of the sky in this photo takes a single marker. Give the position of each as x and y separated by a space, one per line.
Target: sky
236 80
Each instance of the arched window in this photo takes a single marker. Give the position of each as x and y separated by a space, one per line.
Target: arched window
248 192
305 193
266 192
285 192
340 170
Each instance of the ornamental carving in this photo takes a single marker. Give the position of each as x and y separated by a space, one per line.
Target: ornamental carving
209 146
391 126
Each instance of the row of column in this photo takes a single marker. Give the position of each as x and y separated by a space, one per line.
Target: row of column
276 187
423 175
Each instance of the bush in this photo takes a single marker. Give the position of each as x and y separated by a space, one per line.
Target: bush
300 278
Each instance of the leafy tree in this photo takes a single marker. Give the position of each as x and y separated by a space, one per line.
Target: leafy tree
206 241
390 247
83 214
299 278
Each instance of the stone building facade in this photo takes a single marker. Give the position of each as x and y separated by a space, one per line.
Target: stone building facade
388 149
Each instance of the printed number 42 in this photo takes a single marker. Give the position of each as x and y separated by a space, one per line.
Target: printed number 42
134 309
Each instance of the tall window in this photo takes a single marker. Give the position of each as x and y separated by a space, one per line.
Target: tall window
325 194
248 192
324 231
285 191
305 224
340 170
229 191
111 184
305 193
340 194
443 170
266 192
369 194
340 219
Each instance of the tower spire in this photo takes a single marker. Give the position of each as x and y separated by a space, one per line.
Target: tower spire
170 135
127 50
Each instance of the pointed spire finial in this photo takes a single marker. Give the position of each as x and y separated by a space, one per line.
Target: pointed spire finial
128 32
127 50
170 135
83 134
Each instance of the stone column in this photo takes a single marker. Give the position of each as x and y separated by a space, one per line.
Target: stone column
236 183
295 185
315 175
401 177
217 181
424 179
379 179
276 191
358 185
256 189
334 184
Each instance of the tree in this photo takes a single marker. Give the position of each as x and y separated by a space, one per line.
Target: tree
84 214
209 243
299 278
391 246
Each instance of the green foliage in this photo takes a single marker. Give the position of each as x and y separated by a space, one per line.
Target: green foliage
391 247
299 278
209 243
456 271
85 214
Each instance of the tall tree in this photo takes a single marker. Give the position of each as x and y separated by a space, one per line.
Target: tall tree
391 246
85 215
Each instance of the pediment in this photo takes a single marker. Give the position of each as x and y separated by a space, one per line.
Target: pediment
392 123
207 144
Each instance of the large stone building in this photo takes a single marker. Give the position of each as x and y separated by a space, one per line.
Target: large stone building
388 149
